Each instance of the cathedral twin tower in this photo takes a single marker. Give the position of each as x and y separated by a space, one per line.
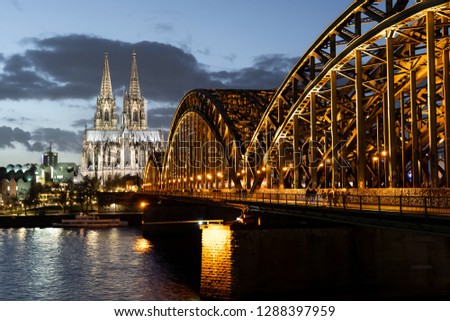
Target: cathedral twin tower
113 151
133 112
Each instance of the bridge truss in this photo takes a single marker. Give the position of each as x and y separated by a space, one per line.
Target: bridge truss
365 106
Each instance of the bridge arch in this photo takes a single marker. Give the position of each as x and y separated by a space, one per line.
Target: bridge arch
359 115
365 106
208 138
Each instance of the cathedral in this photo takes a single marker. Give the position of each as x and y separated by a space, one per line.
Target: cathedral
115 149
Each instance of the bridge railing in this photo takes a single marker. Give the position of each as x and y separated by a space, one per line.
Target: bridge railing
416 205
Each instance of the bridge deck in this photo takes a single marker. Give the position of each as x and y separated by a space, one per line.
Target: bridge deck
427 213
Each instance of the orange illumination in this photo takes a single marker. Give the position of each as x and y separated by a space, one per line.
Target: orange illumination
142 245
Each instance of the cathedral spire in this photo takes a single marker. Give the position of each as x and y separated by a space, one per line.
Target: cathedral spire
105 116
134 116
135 90
106 87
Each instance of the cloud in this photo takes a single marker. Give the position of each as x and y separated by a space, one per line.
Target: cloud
231 58
160 117
9 135
70 67
63 140
16 5
38 140
267 72
164 27
83 122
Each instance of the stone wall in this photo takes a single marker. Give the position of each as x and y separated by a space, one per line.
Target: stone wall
217 275
323 263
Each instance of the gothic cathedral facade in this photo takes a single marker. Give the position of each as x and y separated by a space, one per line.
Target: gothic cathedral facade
115 149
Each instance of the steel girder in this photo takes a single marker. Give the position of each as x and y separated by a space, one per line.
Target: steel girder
209 136
367 110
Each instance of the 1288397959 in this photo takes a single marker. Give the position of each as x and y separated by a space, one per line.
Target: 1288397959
295 310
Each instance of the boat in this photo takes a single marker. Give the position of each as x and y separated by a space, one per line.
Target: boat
91 221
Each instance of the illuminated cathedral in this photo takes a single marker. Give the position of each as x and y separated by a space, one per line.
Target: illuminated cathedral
119 146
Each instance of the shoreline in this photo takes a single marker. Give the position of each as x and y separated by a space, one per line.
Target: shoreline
47 220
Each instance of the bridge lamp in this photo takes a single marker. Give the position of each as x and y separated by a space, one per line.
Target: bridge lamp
219 174
208 176
384 153
258 172
263 169
375 159
199 177
191 179
285 169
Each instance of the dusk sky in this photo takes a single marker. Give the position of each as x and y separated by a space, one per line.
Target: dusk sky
52 51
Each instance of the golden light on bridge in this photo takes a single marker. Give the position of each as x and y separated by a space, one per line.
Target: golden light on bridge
398 108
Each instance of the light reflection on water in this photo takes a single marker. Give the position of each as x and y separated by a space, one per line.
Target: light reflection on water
85 264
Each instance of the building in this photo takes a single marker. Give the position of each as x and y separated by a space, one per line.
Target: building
116 149
50 158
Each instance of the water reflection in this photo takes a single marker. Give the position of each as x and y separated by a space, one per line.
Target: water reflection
110 264
142 245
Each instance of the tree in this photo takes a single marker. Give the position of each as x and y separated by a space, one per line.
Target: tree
87 191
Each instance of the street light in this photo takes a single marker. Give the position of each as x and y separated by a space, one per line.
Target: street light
376 160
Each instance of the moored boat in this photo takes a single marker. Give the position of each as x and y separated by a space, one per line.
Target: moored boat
91 221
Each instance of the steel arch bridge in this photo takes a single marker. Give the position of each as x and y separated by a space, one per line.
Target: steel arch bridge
364 107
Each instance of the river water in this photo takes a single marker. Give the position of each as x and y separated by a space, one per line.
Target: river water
86 264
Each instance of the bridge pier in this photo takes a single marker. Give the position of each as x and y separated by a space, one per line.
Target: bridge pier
241 262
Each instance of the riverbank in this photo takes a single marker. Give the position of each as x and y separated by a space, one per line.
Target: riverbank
16 221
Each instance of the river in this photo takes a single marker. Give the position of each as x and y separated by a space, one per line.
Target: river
87 264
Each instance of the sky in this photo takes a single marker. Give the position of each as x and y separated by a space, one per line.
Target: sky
52 52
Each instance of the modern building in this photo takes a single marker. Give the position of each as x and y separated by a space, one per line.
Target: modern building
50 158
115 149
